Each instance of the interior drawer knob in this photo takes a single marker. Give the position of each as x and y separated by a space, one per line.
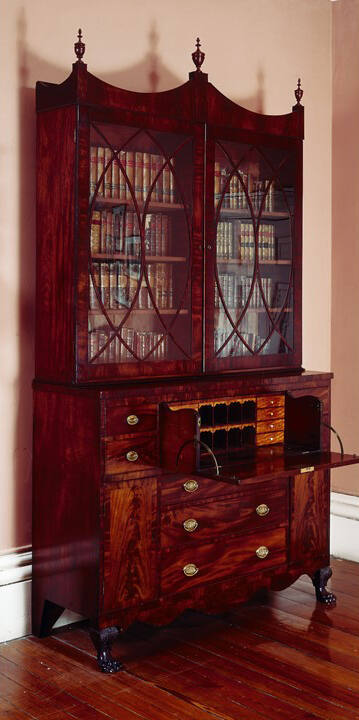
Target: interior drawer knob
190 570
190 525
190 486
262 510
132 419
262 552
132 456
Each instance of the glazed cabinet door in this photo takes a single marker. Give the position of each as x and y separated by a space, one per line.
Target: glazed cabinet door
140 291
253 252
130 544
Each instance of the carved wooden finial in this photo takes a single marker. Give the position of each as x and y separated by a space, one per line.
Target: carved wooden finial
79 46
198 56
298 92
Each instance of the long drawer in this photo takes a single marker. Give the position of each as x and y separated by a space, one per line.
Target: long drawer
187 567
203 521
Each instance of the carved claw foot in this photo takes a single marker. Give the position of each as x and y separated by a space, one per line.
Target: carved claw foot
102 640
319 580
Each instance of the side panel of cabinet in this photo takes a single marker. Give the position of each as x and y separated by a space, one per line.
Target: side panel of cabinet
310 508
66 495
130 540
55 258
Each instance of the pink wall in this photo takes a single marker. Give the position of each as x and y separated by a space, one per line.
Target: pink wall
345 219
255 51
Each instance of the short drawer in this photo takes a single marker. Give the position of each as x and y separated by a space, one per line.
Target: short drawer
189 566
129 454
268 401
270 426
271 438
202 522
131 419
269 413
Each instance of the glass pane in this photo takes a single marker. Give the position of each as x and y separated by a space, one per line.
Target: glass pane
140 243
254 201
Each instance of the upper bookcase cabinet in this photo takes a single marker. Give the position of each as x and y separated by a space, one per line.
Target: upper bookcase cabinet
168 231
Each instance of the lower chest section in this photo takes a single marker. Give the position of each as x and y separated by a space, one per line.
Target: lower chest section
165 536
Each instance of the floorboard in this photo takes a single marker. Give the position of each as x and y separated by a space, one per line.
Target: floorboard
280 657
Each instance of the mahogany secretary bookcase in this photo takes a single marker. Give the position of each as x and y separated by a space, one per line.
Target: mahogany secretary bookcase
181 453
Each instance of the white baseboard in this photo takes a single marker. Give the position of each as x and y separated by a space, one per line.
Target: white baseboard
344 526
15 596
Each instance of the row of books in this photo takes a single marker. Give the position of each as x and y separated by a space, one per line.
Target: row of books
235 347
117 231
117 284
141 169
239 187
235 291
141 343
236 240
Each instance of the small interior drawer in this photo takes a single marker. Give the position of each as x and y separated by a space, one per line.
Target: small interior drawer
270 413
270 438
186 567
270 426
269 401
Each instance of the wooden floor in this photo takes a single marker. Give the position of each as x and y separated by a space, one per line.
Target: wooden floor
282 656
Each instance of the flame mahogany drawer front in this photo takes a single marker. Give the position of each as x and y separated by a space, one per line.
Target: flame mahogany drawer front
189 566
202 522
270 426
269 401
129 454
270 438
182 489
270 413
129 419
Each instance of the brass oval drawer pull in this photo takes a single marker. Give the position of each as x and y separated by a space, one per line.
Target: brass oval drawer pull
262 510
190 486
132 456
262 552
190 570
190 525
271 414
132 419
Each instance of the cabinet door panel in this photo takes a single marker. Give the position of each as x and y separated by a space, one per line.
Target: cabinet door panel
142 312
310 503
251 287
129 544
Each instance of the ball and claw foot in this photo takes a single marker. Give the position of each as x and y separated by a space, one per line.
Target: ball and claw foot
319 580
102 640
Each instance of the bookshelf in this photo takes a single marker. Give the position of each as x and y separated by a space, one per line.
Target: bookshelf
181 453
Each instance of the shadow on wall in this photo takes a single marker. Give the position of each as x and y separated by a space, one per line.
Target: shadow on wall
150 74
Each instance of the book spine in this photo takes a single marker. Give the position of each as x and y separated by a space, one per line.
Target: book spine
109 232
146 175
122 295
166 198
103 231
130 172
164 235
153 173
93 302
138 175
108 173
217 183
93 169
95 236
105 284
172 186
100 169
122 185
115 179
158 221
160 160
113 285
